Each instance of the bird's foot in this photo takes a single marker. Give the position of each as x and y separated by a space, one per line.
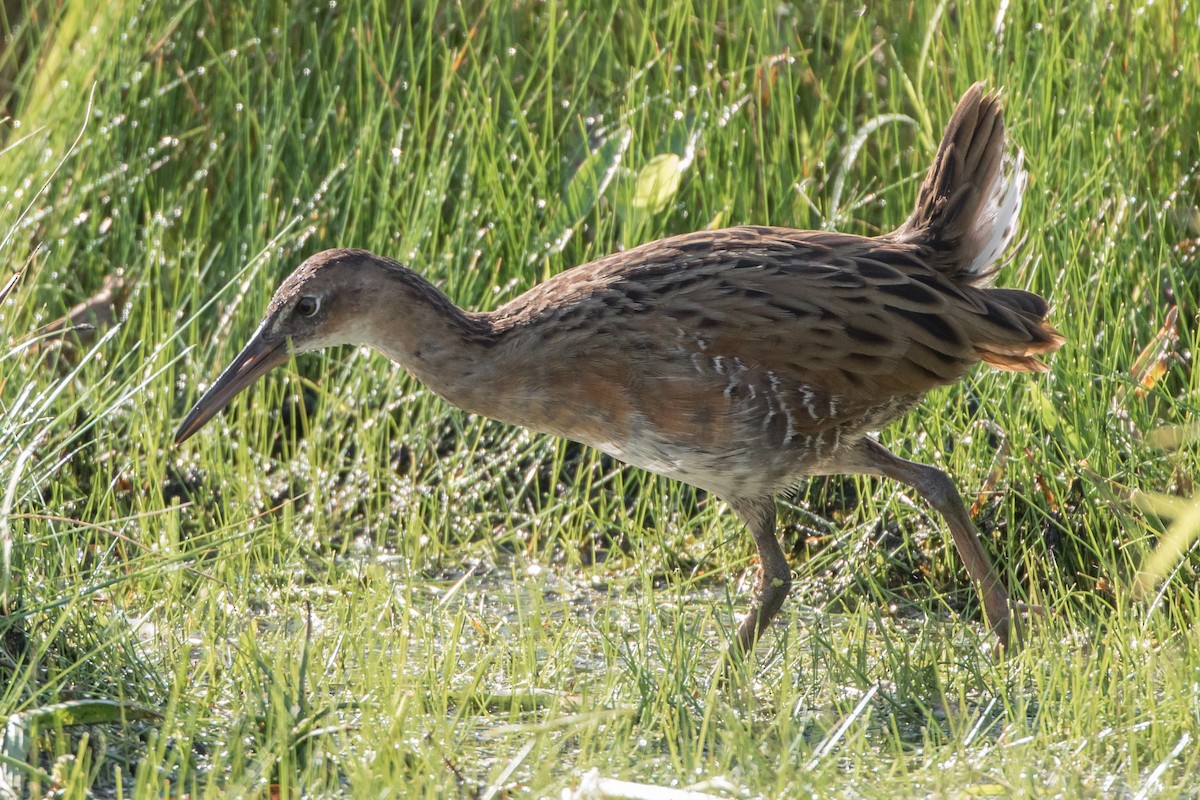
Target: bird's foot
1011 631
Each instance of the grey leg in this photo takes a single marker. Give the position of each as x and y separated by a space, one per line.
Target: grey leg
774 574
872 458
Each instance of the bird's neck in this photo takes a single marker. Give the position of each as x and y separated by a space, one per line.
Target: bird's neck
448 349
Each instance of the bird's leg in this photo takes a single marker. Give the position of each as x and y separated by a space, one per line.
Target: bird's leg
872 458
774 574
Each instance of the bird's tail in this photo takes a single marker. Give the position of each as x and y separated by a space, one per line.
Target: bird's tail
1012 330
965 217
966 213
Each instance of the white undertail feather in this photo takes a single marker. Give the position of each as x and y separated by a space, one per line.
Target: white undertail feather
999 218
967 208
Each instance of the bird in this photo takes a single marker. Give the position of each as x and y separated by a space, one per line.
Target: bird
740 361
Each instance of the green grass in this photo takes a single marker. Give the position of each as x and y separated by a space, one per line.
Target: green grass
343 586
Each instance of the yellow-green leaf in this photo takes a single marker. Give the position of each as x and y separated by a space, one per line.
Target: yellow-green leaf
657 183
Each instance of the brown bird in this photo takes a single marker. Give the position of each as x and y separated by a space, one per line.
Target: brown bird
738 360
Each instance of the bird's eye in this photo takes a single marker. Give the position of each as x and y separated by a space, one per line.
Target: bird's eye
307 306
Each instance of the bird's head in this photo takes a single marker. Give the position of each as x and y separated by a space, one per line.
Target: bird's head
325 302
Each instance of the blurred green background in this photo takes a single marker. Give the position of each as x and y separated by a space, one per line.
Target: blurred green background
343 586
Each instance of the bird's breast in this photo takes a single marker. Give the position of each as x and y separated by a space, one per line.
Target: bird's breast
686 411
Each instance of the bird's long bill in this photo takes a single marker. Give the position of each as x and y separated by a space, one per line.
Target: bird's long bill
257 358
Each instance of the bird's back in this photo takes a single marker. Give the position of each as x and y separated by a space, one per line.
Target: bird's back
767 347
